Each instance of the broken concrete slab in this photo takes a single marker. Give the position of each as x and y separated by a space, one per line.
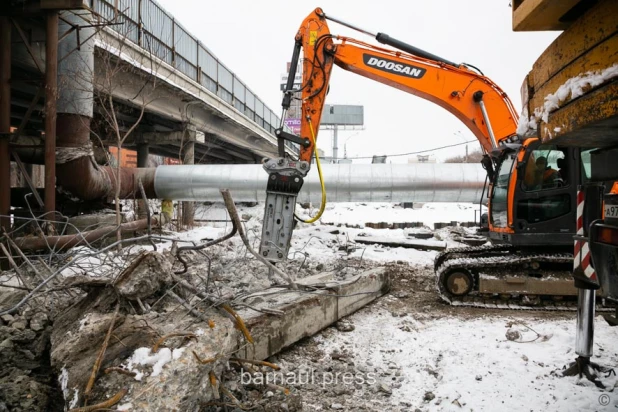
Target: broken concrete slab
171 380
180 375
471 240
442 225
394 225
307 312
406 243
144 276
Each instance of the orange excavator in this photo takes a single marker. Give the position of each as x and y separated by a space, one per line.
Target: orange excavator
531 186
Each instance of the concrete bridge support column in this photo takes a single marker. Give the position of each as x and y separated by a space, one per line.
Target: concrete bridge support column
188 208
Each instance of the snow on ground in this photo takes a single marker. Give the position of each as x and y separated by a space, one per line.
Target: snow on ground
469 365
428 213
144 356
465 361
317 240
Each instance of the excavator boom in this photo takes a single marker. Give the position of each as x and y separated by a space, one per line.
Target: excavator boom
466 93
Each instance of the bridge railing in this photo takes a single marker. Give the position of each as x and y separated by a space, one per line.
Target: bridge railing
147 24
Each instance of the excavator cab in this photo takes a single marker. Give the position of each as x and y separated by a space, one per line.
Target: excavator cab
533 201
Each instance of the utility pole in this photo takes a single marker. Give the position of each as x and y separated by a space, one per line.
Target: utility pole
345 147
335 148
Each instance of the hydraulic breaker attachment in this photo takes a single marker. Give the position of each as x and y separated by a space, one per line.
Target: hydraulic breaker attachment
285 178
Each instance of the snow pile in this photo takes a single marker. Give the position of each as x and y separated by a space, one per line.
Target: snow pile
320 244
526 124
85 261
575 87
144 356
571 89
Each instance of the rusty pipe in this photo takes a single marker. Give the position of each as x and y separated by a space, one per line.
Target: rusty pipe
5 121
51 93
31 150
64 242
83 177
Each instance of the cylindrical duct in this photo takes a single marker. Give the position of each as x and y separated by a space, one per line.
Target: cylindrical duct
76 63
415 182
76 172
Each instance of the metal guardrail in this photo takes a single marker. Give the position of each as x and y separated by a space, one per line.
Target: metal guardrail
147 24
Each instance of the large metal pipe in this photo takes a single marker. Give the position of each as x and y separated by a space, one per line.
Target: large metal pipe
31 150
415 182
77 172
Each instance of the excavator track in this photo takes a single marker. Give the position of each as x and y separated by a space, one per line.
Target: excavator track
503 277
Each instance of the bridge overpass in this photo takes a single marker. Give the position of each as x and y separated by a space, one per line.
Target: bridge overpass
154 86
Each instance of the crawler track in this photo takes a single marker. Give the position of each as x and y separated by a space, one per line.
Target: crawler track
504 265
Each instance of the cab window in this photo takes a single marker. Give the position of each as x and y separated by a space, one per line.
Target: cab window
546 169
586 166
499 197
544 208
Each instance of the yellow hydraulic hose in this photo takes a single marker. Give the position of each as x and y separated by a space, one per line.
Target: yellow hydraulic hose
317 161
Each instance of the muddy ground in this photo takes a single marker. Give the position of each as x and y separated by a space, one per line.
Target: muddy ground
305 378
305 365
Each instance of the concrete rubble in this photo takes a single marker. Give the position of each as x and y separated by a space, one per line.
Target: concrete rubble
134 329
141 340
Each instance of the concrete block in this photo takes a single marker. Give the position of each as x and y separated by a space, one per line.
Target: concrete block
407 243
308 313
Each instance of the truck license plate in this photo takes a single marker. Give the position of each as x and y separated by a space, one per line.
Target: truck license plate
611 211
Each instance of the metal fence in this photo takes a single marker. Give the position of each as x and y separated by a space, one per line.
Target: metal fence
147 24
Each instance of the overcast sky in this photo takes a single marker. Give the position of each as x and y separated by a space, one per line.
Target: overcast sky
254 39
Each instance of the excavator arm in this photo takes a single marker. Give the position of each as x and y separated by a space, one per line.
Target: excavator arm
458 89
468 94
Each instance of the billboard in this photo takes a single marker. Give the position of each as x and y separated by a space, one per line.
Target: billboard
342 115
298 80
293 124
